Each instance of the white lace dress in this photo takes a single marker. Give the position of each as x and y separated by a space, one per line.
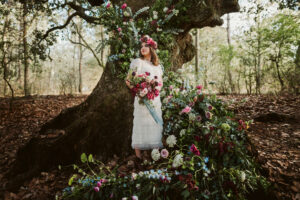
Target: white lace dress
146 133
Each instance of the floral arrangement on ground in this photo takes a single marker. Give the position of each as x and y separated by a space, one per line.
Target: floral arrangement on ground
205 155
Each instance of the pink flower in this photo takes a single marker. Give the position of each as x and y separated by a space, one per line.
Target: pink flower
154 23
199 87
119 29
208 115
209 107
191 104
159 84
124 6
156 92
150 96
164 153
171 87
108 5
198 92
199 118
143 85
111 195
195 150
99 183
96 189
103 180
187 109
147 73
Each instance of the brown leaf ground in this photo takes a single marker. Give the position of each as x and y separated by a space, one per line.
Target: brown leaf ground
275 134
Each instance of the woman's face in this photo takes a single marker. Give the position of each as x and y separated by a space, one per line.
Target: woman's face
145 49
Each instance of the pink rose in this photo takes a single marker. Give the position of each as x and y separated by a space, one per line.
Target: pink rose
171 87
164 153
99 183
124 6
150 95
108 5
195 150
156 92
96 189
159 84
198 92
187 109
119 29
144 85
199 87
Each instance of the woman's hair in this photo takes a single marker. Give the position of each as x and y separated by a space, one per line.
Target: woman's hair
154 57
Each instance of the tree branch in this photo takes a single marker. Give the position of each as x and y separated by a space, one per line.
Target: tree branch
59 27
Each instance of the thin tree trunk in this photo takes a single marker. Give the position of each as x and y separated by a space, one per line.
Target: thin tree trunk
196 57
232 86
80 59
25 48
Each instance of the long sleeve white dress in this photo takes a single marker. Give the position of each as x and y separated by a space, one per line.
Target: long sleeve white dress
146 133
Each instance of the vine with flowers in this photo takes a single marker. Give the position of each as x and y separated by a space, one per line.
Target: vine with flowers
125 28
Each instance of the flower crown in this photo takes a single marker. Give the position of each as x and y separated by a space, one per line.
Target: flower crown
149 41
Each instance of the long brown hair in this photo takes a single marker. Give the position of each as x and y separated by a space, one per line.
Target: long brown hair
154 57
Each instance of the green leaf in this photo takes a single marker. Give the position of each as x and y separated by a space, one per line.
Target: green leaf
185 193
83 158
72 179
91 159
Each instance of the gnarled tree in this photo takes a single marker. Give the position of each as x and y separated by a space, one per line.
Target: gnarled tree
102 124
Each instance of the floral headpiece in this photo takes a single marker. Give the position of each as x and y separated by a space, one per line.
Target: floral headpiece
149 41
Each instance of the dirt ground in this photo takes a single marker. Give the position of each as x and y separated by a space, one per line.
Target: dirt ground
275 134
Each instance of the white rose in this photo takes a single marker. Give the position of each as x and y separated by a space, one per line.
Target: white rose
155 17
155 154
182 132
155 12
171 140
178 160
192 116
243 176
176 12
165 9
144 92
162 93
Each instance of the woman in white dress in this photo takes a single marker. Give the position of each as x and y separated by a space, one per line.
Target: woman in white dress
146 132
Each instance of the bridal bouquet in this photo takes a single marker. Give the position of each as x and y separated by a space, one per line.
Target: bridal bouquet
144 87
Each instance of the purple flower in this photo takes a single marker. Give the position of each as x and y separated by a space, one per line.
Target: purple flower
164 153
133 73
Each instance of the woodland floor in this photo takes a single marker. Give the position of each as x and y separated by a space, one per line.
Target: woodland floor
275 135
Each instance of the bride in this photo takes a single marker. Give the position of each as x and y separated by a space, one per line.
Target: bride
146 132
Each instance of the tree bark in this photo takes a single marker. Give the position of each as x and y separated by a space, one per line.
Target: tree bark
102 124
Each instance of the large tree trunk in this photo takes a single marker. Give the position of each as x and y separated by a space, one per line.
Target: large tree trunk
102 124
